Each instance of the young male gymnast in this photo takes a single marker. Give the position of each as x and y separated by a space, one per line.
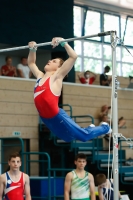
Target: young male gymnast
47 91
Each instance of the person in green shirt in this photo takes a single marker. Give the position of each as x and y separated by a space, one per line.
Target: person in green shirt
79 182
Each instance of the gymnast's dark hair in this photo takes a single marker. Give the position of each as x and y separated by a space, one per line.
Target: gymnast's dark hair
81 155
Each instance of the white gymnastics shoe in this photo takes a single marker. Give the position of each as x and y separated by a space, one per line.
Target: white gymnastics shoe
92 125
110 130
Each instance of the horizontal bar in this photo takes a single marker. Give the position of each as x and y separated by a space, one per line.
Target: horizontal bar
66 40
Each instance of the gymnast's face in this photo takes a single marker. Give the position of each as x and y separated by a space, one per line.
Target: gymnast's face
9 61
87 75
52 65
14 163
24 61
80 163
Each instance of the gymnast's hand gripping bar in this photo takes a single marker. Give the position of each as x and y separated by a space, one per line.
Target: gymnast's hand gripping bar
66 40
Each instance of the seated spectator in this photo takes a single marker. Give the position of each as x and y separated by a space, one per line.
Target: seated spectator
104 119
121 122
8 69
105 110
104 79
105 187
23 69
87 77
105 115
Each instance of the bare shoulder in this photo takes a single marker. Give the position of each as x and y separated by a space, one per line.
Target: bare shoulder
2 178
90 176
40 75
26 177
69 175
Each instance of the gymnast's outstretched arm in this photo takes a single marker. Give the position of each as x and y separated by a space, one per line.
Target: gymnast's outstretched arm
32 61
68 64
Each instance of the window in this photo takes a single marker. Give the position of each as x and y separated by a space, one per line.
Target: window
95 53
127 69
126 57
77 45
92 49
78 65
111 23
128 31
92 64
92 24
123 23
77 21
107 52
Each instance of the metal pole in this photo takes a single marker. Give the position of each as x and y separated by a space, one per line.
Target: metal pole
115 116
49 43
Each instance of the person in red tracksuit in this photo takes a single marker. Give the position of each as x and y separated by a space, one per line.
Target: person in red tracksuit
87 77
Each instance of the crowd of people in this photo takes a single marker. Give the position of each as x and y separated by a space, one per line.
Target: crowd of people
89 77
22 70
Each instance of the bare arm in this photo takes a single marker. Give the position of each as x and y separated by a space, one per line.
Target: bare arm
20 72
1 186
105 82
27 188
3 72
32 62
30 74
67 186
100 193
92 187
80 75
68 64
15 71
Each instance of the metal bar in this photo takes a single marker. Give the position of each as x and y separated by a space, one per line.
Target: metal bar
65 40
115 116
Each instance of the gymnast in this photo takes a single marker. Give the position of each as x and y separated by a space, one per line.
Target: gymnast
47 91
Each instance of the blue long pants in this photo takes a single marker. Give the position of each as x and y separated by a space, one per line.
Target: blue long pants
66 129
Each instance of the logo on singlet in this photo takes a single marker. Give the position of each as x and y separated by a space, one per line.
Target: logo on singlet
9 181
37 93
